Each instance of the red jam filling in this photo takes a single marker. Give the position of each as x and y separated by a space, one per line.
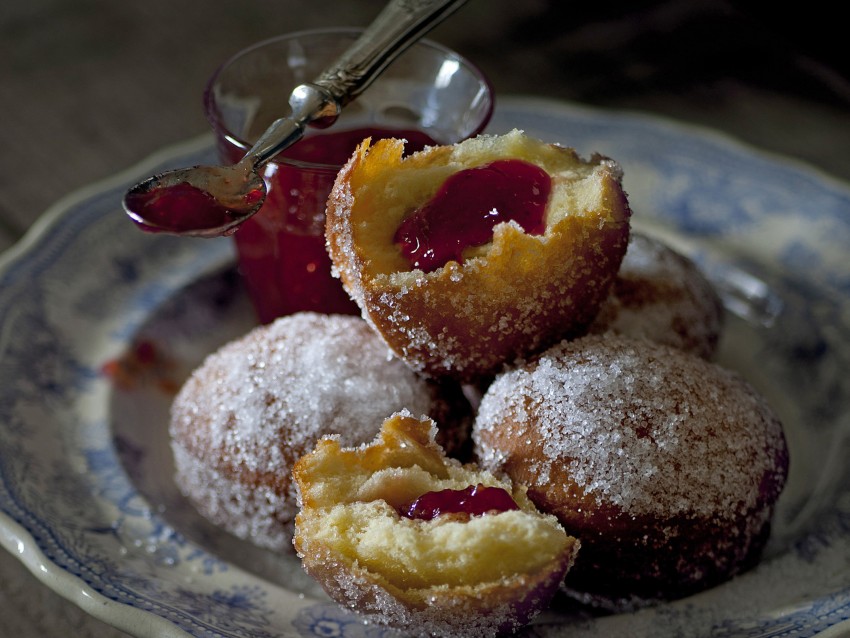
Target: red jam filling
474 500
467 207
181 207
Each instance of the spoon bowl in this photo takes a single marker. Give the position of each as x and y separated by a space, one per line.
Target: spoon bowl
181 201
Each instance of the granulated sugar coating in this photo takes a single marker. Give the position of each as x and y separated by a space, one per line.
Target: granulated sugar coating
665 466
255 406
662 296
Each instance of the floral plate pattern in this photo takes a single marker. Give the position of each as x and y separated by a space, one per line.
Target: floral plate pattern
100 323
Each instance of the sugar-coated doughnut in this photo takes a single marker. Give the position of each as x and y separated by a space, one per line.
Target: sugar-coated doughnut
257 404
382 531
662 295
664 465
512 293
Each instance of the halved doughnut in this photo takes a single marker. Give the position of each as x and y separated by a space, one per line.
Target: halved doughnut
516 293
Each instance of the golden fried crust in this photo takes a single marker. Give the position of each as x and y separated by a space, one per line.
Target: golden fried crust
515 296
497 608
474 576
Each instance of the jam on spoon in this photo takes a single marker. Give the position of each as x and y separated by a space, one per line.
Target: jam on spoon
468 205
183 207
474 500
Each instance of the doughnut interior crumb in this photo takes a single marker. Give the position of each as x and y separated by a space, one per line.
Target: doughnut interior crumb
396 185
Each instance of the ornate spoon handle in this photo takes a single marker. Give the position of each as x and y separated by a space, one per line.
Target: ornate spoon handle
399 25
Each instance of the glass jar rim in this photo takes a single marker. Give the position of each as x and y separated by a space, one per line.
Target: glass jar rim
223 131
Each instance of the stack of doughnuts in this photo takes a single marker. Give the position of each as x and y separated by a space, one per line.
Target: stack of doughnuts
589 349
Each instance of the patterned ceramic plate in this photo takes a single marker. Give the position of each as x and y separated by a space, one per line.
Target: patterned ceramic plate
99 324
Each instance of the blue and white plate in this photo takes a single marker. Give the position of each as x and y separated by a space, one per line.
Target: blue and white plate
99 323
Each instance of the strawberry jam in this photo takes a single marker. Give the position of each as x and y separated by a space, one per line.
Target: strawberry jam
180 207
467 207
474 500
282 253
337 146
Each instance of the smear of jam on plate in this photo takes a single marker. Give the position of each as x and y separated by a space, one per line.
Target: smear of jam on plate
143 364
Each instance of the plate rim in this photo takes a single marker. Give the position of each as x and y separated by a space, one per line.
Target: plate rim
704 131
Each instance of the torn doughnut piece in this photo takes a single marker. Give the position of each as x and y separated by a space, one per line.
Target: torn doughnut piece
467 257
398 532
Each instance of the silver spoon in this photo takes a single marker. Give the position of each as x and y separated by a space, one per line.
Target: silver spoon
211 201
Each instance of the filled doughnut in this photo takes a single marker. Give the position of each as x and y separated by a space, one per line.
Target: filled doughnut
661 295
259 403
665 466
467 257
409 538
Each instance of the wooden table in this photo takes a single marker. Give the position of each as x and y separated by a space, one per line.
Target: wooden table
90 87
